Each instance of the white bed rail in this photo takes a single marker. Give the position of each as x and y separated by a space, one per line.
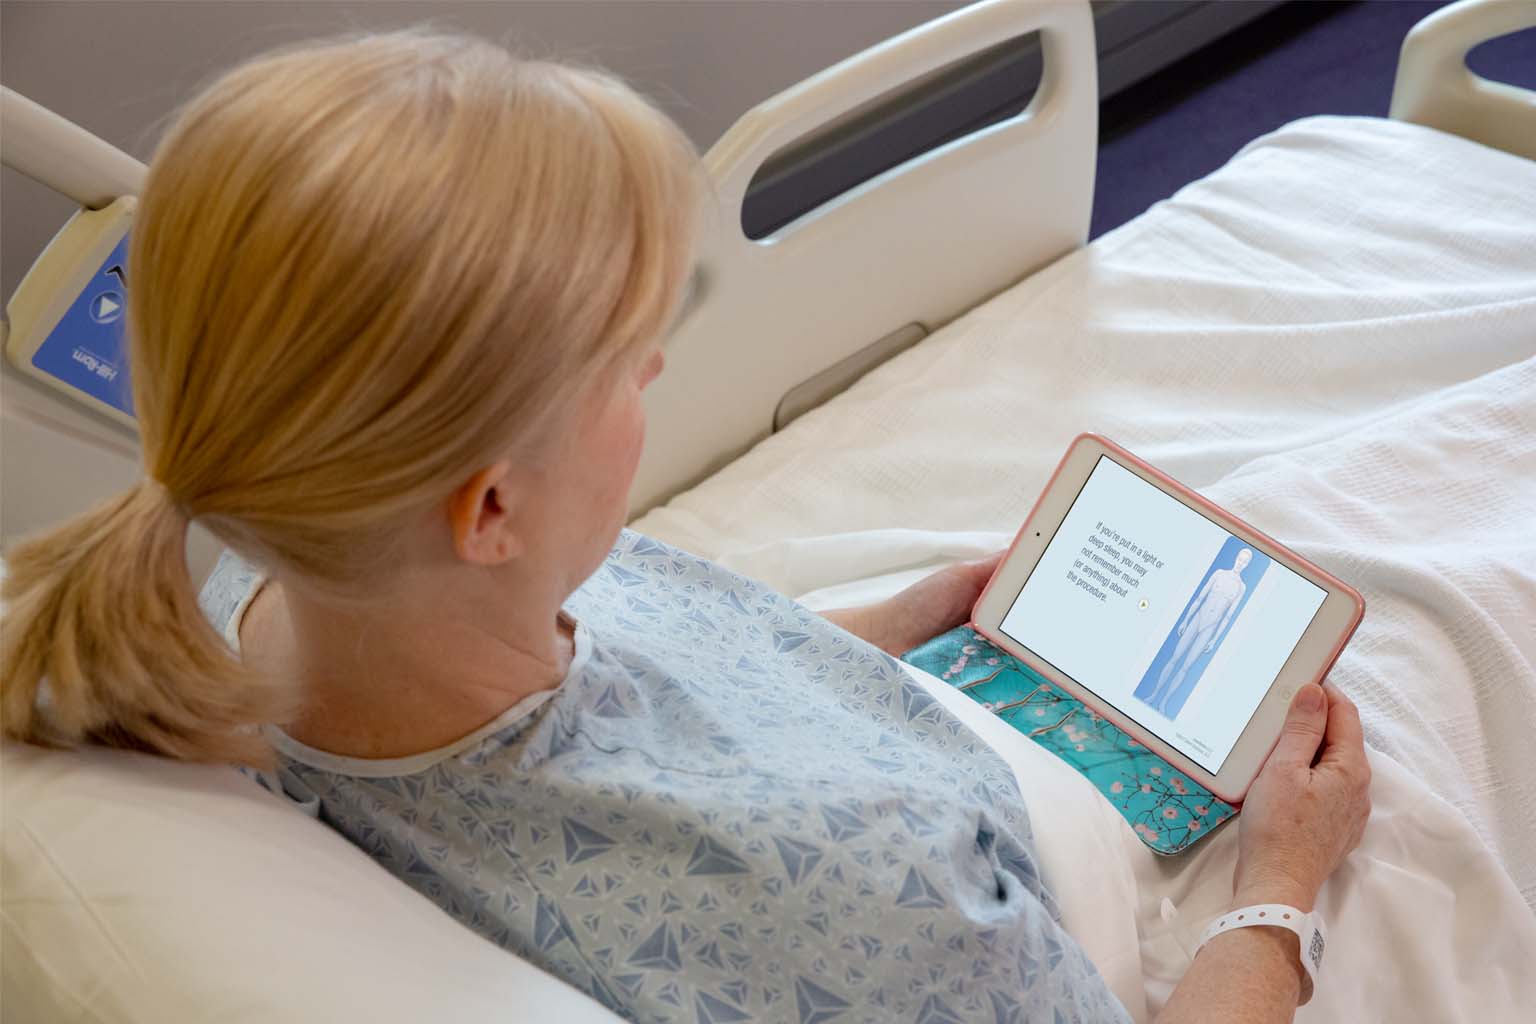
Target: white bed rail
60 154
1434 86
860 276
57 456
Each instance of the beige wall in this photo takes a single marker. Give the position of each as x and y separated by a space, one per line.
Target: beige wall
119 67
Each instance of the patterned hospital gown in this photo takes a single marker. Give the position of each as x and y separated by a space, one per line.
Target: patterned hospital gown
730 810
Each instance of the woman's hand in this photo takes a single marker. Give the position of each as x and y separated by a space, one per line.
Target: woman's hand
927 608
1301 818
1298 822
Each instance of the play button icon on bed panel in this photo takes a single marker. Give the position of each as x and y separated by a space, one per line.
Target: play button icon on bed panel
106 307
87 348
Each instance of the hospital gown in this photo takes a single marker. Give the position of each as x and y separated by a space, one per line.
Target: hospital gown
729 810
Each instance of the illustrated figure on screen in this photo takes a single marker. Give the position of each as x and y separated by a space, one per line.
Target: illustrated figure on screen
1204 625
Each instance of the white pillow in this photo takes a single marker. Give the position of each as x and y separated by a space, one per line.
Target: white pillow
139 889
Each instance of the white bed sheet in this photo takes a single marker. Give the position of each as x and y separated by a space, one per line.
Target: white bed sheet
1335 337
1422 901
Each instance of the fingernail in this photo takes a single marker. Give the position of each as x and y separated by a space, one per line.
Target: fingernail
1310 698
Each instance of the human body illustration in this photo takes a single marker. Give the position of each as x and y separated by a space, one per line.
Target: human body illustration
1202 627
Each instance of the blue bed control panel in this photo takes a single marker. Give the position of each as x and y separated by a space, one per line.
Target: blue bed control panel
87 349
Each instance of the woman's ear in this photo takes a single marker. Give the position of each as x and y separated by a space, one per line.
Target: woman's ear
481 515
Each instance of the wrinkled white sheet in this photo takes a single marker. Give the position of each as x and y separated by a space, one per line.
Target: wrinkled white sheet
1335 337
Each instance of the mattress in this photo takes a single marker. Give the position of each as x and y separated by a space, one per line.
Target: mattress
1335 337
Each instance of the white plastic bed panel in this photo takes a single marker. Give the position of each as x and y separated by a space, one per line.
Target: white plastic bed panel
918 244
1435 87
58 457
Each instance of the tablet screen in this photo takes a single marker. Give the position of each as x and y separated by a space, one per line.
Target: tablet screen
1162 613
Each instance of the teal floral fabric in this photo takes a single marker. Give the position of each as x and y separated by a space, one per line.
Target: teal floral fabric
1168 810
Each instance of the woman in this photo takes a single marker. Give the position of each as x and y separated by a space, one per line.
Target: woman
396 300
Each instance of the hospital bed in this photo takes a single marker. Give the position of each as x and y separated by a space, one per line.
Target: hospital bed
1334 335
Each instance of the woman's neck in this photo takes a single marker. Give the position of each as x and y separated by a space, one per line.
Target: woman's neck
392 679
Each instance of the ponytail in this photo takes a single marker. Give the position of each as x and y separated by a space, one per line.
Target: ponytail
102 641
363 270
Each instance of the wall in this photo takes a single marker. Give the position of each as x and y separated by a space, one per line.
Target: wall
119 68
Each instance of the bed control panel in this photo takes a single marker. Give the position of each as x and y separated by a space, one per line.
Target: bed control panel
67 320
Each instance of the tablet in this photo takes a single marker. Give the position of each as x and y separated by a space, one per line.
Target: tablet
1174 619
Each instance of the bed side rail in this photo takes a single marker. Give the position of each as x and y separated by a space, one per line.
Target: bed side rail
823 298
58 456
1434 86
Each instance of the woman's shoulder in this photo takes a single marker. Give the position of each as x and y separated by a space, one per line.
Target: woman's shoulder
648 576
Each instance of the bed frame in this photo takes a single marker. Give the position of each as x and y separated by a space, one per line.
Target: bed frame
821 300
777 325
781 324
1435 87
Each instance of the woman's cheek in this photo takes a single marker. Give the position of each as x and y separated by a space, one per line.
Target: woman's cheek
634 445
624 441
637 430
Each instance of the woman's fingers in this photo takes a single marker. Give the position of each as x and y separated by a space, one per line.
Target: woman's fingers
1344 739
1304 727
982 569
1343 718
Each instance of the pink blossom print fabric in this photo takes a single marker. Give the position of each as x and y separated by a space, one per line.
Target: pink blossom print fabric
1168 810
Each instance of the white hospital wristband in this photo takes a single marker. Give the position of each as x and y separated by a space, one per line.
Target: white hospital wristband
1308 928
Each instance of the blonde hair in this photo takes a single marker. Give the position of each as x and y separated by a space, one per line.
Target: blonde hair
362 270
